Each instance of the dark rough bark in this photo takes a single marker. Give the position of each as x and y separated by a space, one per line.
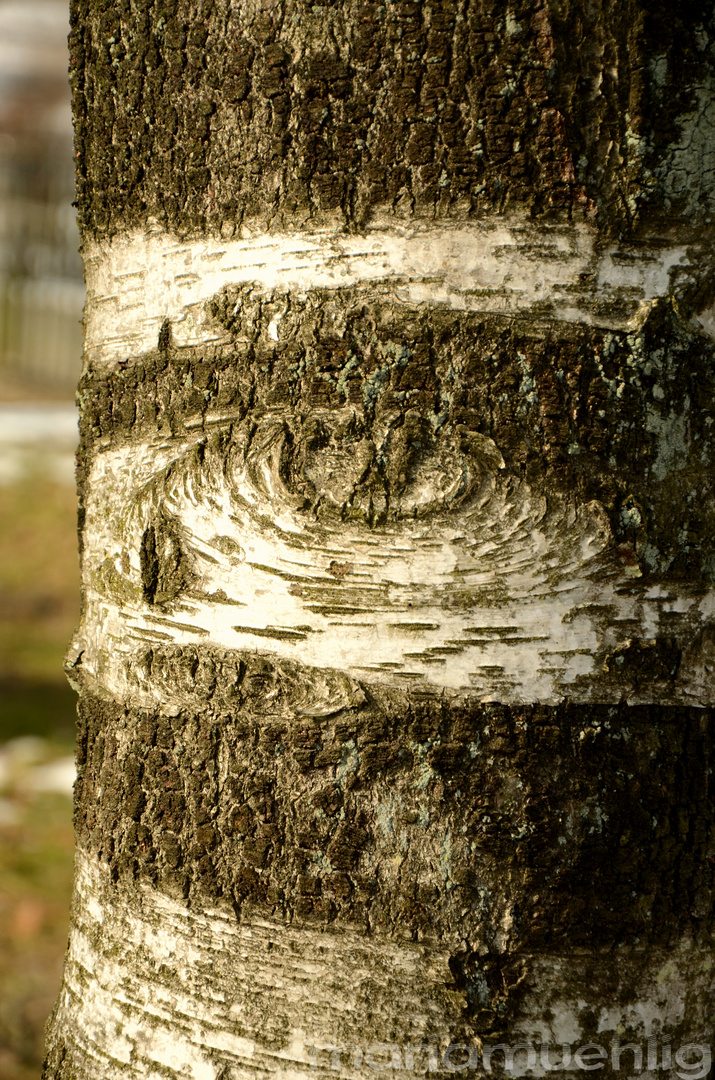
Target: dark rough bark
625 418
203 114
594 823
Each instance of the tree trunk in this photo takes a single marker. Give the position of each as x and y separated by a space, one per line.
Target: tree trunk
398 538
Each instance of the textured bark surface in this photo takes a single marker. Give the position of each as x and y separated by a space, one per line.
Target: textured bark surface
397 656
534 827
624 418
456 501
203 114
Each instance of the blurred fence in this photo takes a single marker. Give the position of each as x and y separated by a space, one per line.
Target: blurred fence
41 292
40 330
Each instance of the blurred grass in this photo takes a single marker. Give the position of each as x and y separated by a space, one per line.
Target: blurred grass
39 583
36 877
37 708
39 590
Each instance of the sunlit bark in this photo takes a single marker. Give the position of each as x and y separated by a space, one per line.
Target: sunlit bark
396 482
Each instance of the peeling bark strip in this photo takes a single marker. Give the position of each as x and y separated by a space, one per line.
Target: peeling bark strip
397 654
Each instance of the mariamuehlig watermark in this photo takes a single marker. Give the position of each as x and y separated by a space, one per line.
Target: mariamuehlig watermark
691 1061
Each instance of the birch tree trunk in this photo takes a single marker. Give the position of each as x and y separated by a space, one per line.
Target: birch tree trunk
398 536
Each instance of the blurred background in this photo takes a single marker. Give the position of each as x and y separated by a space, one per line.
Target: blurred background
41 297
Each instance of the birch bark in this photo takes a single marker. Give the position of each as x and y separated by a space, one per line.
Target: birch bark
397 523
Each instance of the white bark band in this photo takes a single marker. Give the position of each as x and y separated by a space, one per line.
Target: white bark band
156 990
507 598
504 266
483 585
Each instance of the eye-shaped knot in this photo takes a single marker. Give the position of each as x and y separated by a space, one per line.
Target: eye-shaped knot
164 566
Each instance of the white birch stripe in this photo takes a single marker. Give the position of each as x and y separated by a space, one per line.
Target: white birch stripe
508 598
157 990
504 265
